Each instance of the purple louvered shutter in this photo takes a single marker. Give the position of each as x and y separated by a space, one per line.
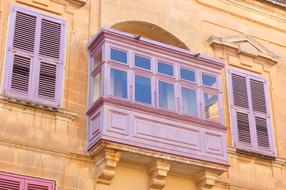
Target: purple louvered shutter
39 185
47 80
241 108
250 113
50 52
18 182
25 31
21 73
21 49
259 107
50 41
8 182
35 57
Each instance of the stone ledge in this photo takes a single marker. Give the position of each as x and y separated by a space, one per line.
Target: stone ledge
78 2
70 115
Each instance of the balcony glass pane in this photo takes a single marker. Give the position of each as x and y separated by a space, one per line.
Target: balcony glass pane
189 101
97 59
211 106
188 75
118 83
142 89
96 87
142 62
165 69
166 96
209 81
117 55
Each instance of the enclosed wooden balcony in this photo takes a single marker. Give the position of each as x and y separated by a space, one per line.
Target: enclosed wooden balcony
152 97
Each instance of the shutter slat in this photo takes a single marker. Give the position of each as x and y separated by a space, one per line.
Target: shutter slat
8 184
243 128
37 187
47 81
262 132
258 96
239 91
24 34
50 40
20 73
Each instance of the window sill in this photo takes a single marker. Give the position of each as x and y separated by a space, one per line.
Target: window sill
25 104
79 2
269 156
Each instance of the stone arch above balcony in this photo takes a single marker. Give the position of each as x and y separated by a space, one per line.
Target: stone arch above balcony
150 31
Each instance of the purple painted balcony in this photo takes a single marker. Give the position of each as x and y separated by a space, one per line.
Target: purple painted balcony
154 96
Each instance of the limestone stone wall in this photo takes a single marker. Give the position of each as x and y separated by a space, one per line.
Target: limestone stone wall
52 144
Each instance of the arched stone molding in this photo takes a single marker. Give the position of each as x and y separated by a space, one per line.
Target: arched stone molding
150 31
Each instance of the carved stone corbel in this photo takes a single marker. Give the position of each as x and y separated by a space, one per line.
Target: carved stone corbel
206 179
158 174
106 164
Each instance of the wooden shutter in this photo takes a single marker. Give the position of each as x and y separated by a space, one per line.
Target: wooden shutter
243 128
50 52
259 107
50 41
21 73
21 49
241 108
35 57
47 80
8 182
18 182
25 31
250 113
38 185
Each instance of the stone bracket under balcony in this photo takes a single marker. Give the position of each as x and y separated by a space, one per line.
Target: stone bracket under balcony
108 154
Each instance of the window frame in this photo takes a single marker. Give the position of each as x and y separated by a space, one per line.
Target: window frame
155 77
189 69
160 60
175 95
253 147
196 89
151 86
32 96
133 54
127 81
212 75
118 49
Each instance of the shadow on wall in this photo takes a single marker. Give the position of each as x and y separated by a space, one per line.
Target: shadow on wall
150 31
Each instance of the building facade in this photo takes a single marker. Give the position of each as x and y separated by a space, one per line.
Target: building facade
133 94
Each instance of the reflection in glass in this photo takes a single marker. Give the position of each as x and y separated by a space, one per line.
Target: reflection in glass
97 59
165 69
142 62
117 55
211 106
96 87
166 96
209 80
189 101
142 89
118 83
188 75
